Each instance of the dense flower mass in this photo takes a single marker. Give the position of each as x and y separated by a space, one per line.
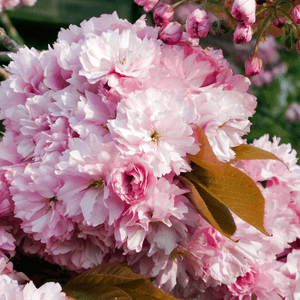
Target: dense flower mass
99 127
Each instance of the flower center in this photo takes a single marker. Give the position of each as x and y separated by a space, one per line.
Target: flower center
122 60
155 137
97 184
49 206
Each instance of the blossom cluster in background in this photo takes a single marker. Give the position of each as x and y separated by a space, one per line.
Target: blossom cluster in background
99 127
9 4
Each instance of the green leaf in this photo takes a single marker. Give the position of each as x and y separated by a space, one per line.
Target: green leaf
113 281
214 212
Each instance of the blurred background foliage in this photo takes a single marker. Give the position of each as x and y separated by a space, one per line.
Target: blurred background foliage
274 100
39 25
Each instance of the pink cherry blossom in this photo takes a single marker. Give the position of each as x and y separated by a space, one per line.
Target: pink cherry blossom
133 180
43 215
148 126
9 289
163 207
49 290
222 130
244 284
117 52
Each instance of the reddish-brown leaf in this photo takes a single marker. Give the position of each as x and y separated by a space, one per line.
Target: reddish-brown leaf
205 156
248 152
235 190
144 290
214 212
113 281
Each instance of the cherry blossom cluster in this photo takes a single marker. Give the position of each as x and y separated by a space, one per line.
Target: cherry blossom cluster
246 17
97 130
9 4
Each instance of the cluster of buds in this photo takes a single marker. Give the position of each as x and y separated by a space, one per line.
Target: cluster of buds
196 24
265 17
246 17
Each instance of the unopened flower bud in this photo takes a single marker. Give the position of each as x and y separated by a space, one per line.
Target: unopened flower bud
295 14
279 22
163 14
147 4
171 33
253 65
242 34
197 24
244 10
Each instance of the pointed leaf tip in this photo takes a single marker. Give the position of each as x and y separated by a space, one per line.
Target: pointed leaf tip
248 152
206 152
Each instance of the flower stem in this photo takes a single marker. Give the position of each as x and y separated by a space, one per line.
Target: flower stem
10 29
3 74
290 18
7 42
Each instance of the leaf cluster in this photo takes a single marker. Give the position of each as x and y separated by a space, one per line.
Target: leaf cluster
217 188
274 100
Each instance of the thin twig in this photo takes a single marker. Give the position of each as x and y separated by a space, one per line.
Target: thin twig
10 28
3 74
7 42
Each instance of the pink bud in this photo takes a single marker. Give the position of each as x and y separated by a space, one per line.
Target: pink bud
253 65
244 10
295 14
197 24
279 21
171 33
163 14
242 34
147 4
